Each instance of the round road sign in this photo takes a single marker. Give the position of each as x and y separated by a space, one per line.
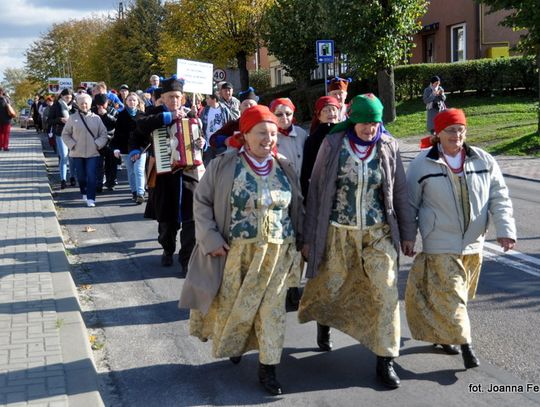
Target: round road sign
219 75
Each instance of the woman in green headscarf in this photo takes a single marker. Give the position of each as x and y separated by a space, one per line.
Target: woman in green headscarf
356 220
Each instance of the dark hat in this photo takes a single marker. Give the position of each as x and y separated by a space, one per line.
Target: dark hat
100 99
434 79
124 86
157 92
65 91
249 93
226 85
172 84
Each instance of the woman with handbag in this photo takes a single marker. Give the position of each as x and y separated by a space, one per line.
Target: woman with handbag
6 114
85 134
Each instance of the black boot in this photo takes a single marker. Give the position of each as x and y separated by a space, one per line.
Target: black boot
235 359
469 358
267 377
323 338
293 297
386 373
166 259
449 349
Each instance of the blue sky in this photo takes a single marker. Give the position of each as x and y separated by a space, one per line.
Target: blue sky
23 21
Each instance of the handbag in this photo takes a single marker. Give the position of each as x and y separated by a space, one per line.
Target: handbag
101 150
10 111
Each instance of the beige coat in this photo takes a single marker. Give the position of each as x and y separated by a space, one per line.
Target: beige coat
212 213
322 191
79 141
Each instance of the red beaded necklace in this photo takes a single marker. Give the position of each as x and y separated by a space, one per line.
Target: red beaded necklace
260 171
459 169
359 153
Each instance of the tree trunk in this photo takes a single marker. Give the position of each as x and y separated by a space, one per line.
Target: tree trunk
241 59
387 93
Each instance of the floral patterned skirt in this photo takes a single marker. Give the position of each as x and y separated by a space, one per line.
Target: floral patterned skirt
249 310
438 289
355 289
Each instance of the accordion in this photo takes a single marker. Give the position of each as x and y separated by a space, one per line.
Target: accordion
174 146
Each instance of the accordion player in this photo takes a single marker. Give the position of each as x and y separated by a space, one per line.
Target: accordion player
175 146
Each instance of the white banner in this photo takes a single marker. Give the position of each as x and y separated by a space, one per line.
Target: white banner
198 75
57 84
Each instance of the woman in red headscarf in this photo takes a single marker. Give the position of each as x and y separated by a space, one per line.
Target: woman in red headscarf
453 190
325 116
248 219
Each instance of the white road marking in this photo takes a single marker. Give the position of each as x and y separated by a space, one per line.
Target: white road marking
506 258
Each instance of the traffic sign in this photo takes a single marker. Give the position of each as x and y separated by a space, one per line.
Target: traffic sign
325 51
219 75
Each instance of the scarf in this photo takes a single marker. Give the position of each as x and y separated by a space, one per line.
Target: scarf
132 111
285 132
357 140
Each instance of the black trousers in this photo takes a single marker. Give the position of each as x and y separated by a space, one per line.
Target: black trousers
167 232
111 167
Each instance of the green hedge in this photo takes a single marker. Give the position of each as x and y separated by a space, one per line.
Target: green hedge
480 75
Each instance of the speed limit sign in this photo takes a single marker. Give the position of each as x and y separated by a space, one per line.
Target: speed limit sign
219 75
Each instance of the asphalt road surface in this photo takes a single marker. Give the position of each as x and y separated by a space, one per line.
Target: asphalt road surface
146 357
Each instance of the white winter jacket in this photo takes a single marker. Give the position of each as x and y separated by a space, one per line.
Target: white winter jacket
433 200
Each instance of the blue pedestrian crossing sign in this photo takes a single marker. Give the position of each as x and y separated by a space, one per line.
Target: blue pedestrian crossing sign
325 51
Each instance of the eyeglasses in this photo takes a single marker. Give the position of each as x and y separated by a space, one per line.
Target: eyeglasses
459 130
282 114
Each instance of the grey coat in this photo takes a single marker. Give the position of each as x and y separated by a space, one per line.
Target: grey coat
212 213
432 106
322 191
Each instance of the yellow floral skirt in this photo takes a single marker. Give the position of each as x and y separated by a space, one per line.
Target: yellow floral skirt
355 290
438 289
249 309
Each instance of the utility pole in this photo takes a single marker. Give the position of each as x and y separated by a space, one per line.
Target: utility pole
121 10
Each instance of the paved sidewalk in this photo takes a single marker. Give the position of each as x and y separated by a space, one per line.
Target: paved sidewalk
45 355
527 167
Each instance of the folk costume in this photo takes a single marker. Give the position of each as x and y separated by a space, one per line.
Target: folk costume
238 300
170 196
355 221
451 199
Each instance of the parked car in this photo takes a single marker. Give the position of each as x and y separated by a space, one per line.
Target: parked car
25 120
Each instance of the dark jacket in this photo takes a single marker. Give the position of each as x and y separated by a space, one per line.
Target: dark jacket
4 116
322 191
124 128
311 149
164 199
56 113
108 118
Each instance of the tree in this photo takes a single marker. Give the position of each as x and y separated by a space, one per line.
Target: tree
291 28
222 30
19 86
63 50
128 50
523 15
376 35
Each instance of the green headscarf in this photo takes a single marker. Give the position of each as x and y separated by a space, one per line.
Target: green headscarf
365 108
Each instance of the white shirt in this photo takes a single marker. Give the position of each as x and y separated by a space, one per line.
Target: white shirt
216 120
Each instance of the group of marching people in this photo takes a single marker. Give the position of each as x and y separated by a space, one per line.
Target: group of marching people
338 201
271 201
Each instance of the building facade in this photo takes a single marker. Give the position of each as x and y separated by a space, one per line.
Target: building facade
461 30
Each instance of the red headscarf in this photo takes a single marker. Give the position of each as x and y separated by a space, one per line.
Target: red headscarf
254 115
449 117
282 101
319 105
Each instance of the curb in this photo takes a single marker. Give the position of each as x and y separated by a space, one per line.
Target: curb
82 382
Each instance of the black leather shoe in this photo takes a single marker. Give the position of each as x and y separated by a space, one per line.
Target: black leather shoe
449 349
386 373
166 260
235 359
323 338
72 181
293 297
267 377
63 185
469 358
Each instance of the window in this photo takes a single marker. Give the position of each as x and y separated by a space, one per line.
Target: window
429 48
458 39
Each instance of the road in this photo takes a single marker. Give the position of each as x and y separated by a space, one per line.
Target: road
146 357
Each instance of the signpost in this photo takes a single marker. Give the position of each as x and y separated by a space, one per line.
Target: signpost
198 76
325 55
220 75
